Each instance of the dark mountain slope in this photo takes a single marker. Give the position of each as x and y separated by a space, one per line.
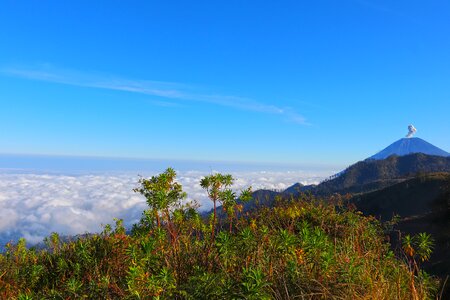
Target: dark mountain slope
423 204
414 197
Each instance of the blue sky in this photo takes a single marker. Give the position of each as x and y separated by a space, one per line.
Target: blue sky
318 82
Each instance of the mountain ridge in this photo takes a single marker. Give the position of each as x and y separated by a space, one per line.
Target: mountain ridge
368 175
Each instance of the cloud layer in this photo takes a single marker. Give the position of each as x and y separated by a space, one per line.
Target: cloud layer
34 205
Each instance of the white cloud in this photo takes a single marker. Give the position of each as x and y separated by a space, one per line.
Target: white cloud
167 90
34 205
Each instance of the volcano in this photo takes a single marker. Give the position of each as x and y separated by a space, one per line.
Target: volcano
407 146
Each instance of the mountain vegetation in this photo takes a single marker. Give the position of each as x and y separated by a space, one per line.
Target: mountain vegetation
301 248
421 204
424 194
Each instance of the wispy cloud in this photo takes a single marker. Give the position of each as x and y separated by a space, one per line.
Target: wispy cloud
167 90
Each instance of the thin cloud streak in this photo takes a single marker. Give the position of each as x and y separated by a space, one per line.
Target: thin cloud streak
168 90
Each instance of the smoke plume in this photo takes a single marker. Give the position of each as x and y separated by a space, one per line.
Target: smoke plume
411 131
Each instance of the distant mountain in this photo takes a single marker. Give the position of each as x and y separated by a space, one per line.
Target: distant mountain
298 187
407 146
401 160
362 177
371 175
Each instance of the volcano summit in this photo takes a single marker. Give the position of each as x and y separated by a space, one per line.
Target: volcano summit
407 146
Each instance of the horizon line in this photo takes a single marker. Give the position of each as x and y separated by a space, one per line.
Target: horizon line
130 158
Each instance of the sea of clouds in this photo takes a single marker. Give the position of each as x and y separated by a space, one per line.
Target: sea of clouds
33 205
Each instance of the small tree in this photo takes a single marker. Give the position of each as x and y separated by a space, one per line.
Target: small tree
231 205
218 189
217 186
162 193
417 247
